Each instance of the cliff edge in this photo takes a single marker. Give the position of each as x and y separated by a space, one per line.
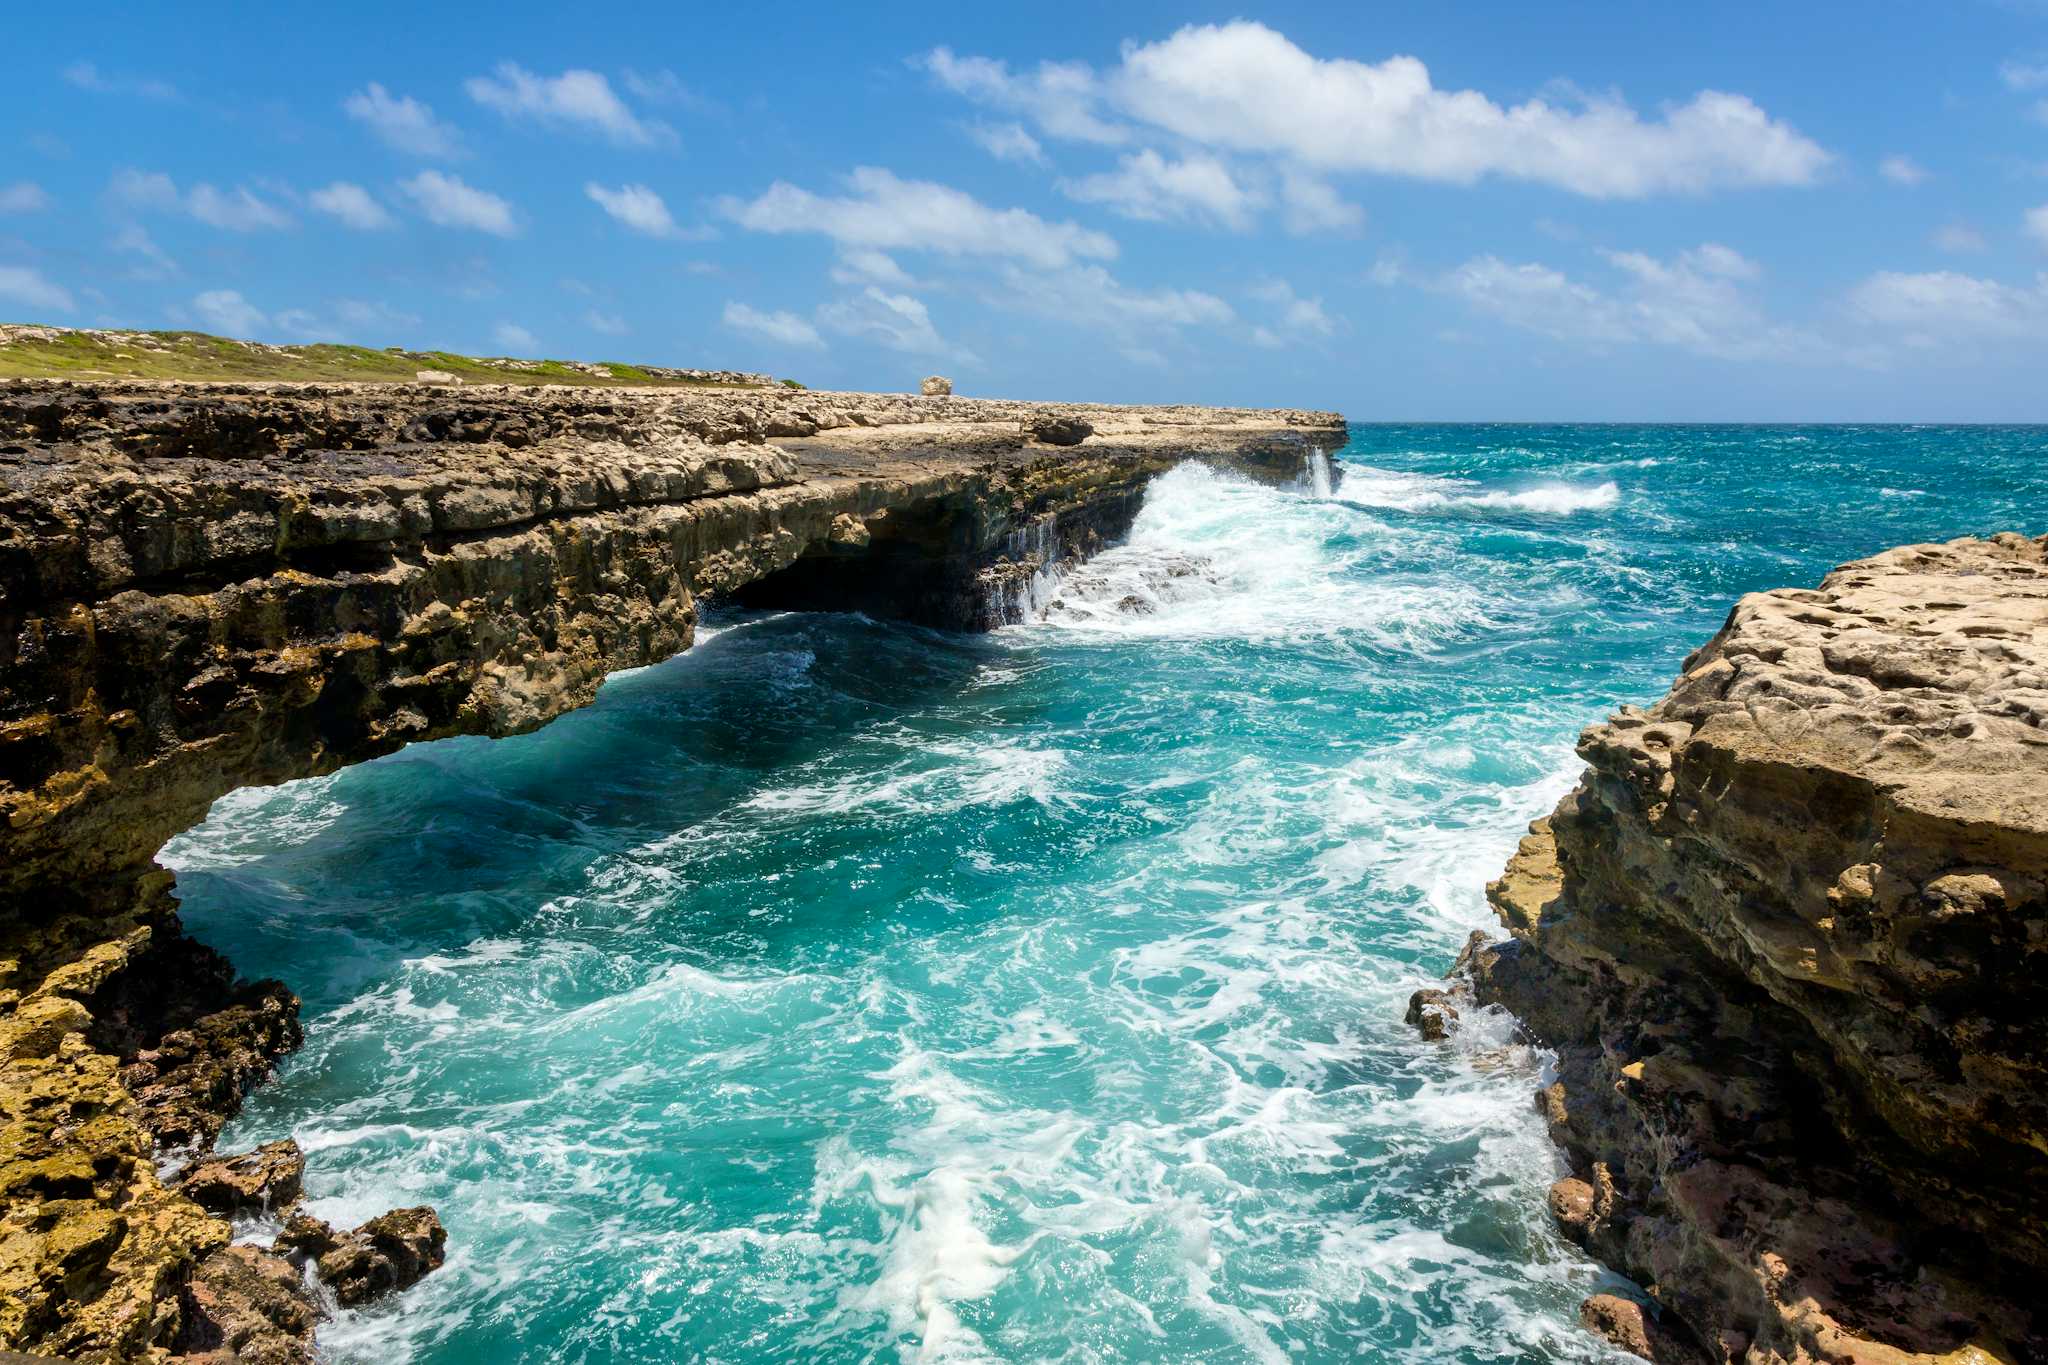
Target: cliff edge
209 586
1789 939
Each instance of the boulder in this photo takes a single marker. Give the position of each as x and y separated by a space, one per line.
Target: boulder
936 386
437 377
1061 431
392 1251
253 1182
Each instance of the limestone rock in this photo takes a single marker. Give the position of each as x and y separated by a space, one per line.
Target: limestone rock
1787 938
270 1177
1625 1324
936 386
1061 430
392 1251
1432 1013
246 1307
437 377
207 586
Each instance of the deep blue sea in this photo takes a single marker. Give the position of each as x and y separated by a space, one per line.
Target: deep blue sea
848 991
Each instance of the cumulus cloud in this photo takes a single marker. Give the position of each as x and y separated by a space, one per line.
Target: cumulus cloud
1147 185
402 122
783 328
885 213
642 210
1702 301
1007 142
862 267
1311 205
1058 96
87 76
610 324
2036 224
578 99
227 312
24 196
352 205
1942 308
1243 87
1293 317
1090 301
236 210
19 284
1902 170
447 202
898 321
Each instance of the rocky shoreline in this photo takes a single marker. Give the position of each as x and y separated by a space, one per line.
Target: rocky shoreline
1787 938
210 586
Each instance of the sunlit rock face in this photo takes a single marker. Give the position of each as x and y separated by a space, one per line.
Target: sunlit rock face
205 587
1787 936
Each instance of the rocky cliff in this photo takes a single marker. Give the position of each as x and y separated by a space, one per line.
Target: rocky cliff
207 587
1789 939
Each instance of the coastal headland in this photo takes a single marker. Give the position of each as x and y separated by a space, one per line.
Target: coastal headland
210 586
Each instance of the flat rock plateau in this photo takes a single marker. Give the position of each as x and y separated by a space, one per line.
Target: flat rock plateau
209 586
1789 939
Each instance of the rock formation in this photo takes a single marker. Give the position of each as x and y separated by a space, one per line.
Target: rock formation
936 386
1789 938
203 587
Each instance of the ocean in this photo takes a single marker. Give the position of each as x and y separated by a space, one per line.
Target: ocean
843 990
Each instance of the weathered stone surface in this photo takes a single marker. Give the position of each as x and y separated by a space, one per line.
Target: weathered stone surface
1061 431
270 1177
1432 1012
244 1306
207 586
1788 937
936 386
392 1251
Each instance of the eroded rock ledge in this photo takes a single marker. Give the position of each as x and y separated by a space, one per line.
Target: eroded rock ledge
204 587
1789 938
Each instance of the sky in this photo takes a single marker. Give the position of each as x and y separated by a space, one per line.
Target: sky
1473 211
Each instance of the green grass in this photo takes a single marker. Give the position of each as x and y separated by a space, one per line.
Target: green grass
198 356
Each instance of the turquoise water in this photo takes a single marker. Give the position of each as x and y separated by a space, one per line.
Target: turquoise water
845 991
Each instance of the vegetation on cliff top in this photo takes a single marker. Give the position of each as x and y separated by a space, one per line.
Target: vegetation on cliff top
30 351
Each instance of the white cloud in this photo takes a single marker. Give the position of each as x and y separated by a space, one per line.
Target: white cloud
24 196
353 205
87 76
575 99
1701 301
1310 205
1089 301
783 328
1146 185
513 337
640 209
1957 237
897 321
1902 170
1942 308
448 202
1244 87
237 210
610 324
665 87
19 284
227 312
885 213
1057 96
1294 317
403 122
134 240
1007 142
2036 223
862 267
2019 75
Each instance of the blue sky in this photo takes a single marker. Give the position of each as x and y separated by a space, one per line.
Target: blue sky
1474 211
